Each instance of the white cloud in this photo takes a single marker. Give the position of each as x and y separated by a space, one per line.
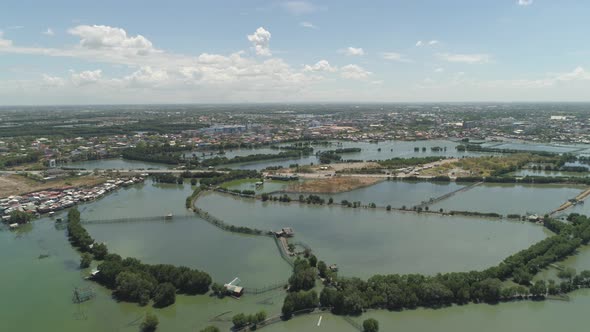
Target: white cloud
260 39
432 42
4 42
353 51
308 25
147 77
354 72
525 2
48 32
299 7
106 37
320 66
15 27
86 77
52 81
439 70
465 58
393 56
579 73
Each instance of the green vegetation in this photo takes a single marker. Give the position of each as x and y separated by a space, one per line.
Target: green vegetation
157 153
479 214
292 154
303 277
85 260
407 162
19 217
241 320
370 325
329 156
191 198
232 175
150 323
19 159
297 301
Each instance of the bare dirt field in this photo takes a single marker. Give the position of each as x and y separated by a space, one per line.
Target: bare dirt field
17 184
333 184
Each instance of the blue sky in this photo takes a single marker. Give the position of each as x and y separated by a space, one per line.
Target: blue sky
71 52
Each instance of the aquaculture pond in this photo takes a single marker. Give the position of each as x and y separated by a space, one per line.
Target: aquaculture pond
506 199
530 172
183 240
369 151
117 163
523 316
251 184
364 242
45 286
395 193
555 148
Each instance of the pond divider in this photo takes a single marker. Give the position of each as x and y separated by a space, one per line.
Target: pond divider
447 195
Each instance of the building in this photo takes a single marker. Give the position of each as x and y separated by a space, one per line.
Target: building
285 232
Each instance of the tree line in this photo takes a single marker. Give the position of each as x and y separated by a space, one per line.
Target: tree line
129 278
350 296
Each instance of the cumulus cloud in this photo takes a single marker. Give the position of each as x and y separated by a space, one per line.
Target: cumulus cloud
579 73
465 58
48 32
320 66
147 77
106 37
393 56
308 25
354 72
525 2
353 51
299 7
86 77
260 40
432 42
52 81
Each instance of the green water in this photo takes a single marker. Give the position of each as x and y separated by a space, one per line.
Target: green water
36 293
509 198
183 241
117 163
526 316
364 242
268 186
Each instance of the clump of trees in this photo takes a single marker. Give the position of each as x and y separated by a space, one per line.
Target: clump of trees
19 217
304 275
79 237
232 175
297 301
370 325
157 153
150 322
291 154
241 320
407 162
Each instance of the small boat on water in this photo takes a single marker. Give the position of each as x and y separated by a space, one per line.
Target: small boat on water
169 216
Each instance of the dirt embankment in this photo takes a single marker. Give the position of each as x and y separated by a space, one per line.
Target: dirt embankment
332 185
17 184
